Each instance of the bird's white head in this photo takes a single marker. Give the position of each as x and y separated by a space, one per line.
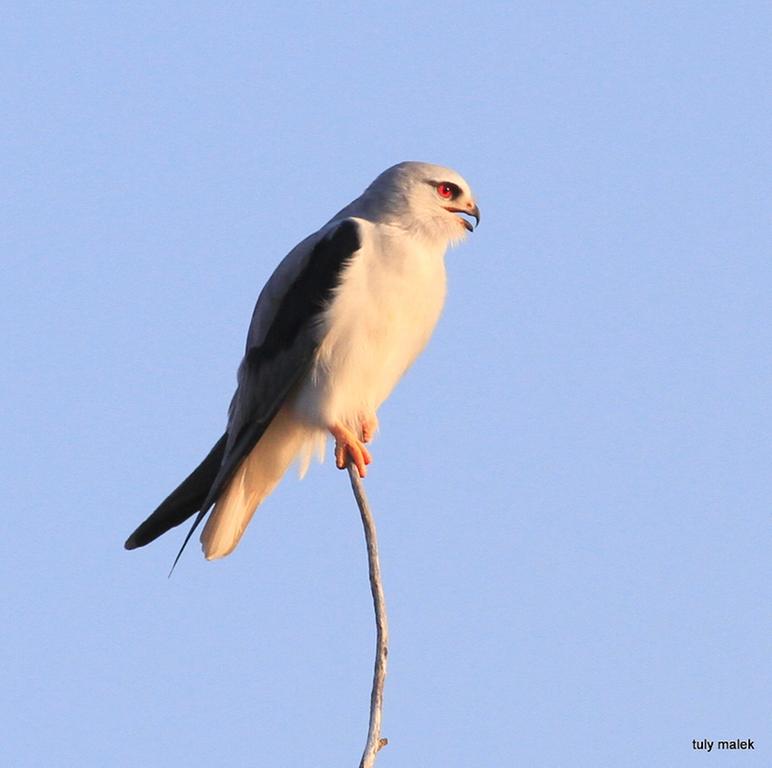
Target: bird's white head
427 198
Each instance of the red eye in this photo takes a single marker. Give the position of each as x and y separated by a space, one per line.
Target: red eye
445 190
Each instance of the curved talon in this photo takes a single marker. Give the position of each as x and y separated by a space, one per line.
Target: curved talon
369 426
347 445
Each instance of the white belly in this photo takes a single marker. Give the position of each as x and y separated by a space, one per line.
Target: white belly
380 320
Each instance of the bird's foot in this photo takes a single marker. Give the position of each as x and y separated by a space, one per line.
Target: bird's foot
347 445
369 426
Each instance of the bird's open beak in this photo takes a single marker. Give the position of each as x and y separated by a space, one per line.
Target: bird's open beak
475 211
470 209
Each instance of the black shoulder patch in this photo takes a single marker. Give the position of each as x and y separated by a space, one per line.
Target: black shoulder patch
311 291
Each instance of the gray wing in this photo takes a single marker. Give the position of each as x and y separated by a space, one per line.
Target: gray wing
281 343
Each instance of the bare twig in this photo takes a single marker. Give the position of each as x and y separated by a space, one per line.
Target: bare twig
374 740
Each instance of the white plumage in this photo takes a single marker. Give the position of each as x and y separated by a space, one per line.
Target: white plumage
255 478
382 315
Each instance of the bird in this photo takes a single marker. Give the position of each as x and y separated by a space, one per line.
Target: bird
338 323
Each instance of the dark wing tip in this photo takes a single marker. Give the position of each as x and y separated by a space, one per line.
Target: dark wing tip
137 539
181 503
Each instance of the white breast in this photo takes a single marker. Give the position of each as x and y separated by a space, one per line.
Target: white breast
379 321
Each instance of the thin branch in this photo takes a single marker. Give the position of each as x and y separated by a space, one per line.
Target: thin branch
374 740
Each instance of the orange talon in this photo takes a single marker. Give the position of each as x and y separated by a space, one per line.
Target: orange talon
369 426
347 445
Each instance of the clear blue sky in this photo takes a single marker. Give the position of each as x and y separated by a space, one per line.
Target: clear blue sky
572 485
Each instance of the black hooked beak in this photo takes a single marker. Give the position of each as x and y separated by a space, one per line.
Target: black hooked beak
476 213
470 210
